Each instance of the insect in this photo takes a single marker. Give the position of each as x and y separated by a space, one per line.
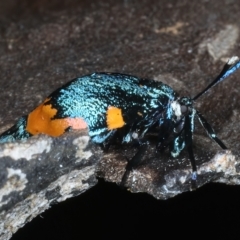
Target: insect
115 105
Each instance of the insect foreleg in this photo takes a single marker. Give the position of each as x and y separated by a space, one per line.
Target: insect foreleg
209 130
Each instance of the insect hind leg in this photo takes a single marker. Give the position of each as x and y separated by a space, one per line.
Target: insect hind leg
135 160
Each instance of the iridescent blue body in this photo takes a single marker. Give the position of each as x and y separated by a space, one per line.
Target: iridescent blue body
114 104
143 102
16 132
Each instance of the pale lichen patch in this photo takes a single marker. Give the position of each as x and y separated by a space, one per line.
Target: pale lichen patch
174 29
16 181
81 144
26 150
221 163
76 180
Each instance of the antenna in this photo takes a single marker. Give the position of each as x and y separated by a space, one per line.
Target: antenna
230 67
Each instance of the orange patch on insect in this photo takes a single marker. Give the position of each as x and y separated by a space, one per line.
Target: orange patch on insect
40 120
114 118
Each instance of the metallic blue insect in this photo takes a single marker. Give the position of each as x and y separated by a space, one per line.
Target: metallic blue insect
114 105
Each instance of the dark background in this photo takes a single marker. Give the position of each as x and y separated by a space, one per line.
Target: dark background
46 43
107 212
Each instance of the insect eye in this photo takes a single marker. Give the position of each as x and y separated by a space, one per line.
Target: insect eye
184 109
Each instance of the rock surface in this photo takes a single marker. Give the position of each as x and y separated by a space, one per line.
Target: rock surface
44 44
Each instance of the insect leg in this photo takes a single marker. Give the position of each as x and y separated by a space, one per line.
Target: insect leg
135 161
165 135
111 138
178 142
210 130
188 127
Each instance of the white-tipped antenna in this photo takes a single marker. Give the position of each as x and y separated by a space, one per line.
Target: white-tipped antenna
230 67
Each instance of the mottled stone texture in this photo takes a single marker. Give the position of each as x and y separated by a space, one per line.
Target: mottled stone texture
40 172
182 43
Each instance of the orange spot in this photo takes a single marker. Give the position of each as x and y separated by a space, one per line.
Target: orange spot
114 118
40 121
